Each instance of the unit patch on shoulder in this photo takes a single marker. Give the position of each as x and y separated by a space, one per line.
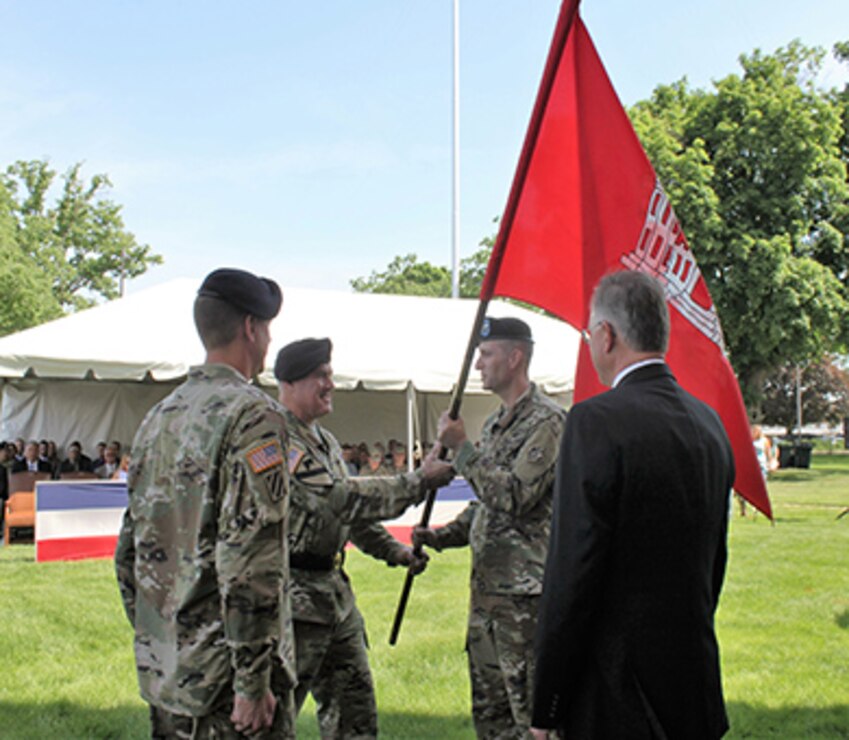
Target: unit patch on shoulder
295 457
265 456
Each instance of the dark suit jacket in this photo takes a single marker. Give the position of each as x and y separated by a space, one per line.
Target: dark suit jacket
20 466
82 465
625 640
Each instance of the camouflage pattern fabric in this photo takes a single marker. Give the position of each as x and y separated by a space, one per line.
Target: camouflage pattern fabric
217 726
333 665
329 508
202 561
500 647
508 527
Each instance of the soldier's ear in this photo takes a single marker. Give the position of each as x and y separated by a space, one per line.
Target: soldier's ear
515 358
248 326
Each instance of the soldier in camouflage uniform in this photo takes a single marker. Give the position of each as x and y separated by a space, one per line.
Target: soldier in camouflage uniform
507 527
376 465
329 508
201 560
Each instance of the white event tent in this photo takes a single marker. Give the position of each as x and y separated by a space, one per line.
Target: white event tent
94 374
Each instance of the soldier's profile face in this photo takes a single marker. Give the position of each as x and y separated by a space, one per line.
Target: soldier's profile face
315 392
493 365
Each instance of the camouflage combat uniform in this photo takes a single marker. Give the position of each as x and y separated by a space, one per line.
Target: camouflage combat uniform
201 560
512 474
329 508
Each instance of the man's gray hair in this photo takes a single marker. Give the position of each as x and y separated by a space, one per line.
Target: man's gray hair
635 305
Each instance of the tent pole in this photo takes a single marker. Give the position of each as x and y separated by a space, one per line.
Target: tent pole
411 400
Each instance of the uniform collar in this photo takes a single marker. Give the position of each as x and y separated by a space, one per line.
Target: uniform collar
506 416
215 370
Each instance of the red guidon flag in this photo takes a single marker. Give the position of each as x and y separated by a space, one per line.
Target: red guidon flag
586 201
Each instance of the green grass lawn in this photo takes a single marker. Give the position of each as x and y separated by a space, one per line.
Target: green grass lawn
67 667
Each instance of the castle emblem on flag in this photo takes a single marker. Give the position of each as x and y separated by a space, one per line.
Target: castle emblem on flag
662 251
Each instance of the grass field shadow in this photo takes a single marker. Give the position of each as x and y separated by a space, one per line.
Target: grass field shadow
749 721
803 475
15 554
405 726
842 619
69 721
412 725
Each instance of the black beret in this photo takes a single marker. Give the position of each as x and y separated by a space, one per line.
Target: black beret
508 328
298 359
260 297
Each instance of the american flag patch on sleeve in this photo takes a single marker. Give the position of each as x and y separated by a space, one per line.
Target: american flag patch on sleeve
265 456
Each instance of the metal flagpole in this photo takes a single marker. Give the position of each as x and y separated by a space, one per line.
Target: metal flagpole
455 161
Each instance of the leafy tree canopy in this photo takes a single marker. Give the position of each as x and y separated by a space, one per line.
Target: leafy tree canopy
757 170
824 391
65 255
407 276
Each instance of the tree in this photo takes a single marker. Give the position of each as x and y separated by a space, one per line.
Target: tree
80 243
756 170
825 394
27 298
407 276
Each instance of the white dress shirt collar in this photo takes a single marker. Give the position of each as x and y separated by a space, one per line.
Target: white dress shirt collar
625 371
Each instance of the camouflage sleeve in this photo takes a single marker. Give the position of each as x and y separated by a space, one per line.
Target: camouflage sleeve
125 558
456 532
519 487
375 498
251 553
374 539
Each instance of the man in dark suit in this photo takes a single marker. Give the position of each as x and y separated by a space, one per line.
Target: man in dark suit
31 461
625 644
76 462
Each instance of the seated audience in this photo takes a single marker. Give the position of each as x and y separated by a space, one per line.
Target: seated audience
399 458
376 462
11 453
100 459
123 468
47 451
110 464
349 454
31 461
363 455
76 461
4 478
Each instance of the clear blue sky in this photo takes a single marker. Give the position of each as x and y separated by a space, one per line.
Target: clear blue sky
312 140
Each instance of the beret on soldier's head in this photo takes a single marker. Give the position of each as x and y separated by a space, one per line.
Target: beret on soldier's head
298 359
507 328
257 296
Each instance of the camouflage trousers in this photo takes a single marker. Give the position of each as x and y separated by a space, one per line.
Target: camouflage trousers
333 666
500 646
216 725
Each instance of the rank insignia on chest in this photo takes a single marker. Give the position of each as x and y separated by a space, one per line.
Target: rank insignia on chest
295 457
265 456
